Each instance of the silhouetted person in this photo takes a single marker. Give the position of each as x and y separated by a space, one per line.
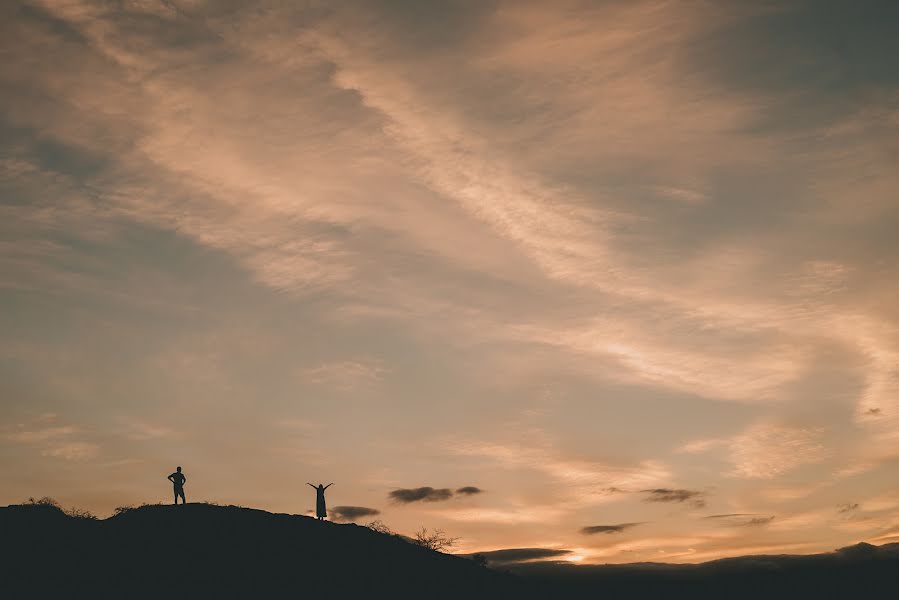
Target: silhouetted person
178 479
321 511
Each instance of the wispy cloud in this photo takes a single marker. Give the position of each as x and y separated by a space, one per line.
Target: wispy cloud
848 507
588 479
352 513
74 451
421 494
145 430
33 436
53 439
344 375
520 513
741 519
608 529
679 496
766 450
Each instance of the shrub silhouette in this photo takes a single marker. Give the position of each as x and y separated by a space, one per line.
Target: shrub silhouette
436 540
380 527
49 503
45 501
80 513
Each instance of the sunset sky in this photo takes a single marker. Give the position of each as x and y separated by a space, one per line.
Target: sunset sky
616 279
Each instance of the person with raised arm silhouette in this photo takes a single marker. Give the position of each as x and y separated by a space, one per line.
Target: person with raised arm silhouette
321 511
178 479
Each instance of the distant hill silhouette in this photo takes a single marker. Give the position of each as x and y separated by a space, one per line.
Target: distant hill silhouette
199 551
859 571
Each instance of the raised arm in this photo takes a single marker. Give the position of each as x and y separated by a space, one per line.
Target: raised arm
312 486
329 485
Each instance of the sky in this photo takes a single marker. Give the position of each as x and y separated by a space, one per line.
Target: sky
614 281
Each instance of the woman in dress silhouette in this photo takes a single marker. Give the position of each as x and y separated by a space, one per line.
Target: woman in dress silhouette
321 511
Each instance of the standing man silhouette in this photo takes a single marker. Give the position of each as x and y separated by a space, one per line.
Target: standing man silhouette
321 511
178 479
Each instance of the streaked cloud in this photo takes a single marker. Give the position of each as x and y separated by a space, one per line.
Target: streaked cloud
53 439
344 375
421 494
352 513
587 479
741 519
41 435
766 451
516 514
72 450
848 507
607 529
679 496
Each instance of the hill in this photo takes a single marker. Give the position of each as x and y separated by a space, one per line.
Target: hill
859 571
200 551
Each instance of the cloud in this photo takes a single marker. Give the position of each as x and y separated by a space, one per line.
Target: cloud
422 494
594 529
34 436
741 519
584 481
349 375
848 507
57 441
530 513
352 513
765 450
140 431
469 490
510 555
758 521
700 446
695 497
73 451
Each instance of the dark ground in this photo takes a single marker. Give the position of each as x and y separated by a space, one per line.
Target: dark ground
203 551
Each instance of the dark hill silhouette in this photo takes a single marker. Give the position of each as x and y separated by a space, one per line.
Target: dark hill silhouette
859 571
200 551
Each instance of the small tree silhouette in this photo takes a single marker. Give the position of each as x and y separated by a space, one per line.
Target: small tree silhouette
380 527
436 540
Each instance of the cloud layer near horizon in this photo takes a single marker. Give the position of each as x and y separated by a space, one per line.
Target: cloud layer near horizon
596 258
